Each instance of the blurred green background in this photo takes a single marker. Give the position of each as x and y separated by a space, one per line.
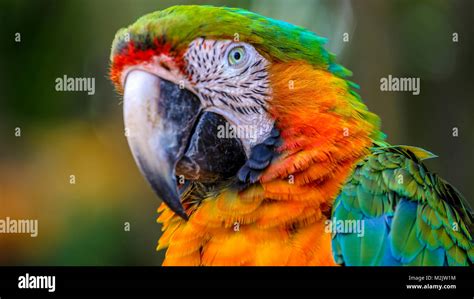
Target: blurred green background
71 133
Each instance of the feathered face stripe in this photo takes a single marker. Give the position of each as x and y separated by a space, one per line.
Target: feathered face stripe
134 54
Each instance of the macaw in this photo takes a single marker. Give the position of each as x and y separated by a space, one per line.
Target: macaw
263 153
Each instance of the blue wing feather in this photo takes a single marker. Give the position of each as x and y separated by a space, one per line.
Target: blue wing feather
409 214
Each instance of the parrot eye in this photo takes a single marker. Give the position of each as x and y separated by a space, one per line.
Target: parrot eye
236 55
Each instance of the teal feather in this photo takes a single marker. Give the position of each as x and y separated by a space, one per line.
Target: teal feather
405 244
420 211
429 258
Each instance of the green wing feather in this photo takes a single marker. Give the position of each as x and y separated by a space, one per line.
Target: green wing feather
412 216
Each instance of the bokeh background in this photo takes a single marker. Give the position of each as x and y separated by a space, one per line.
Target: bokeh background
72 133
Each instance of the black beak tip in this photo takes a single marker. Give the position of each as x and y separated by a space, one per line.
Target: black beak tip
166 190
182 214
172 200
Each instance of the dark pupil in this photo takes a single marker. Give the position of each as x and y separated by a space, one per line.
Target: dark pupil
236 55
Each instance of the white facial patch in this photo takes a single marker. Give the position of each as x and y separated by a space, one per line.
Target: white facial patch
232 80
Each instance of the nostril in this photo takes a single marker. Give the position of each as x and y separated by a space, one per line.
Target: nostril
165 66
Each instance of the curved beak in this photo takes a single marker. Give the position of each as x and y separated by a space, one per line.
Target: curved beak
159 118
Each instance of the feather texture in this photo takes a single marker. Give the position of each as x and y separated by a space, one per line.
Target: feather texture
430 222
280 220
330 156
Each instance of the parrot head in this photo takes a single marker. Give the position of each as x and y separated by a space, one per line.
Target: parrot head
214 94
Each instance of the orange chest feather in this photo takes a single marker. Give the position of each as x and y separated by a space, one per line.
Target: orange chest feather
248 243
280 220
276 223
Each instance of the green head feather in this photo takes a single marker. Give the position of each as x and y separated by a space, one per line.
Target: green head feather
276 40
